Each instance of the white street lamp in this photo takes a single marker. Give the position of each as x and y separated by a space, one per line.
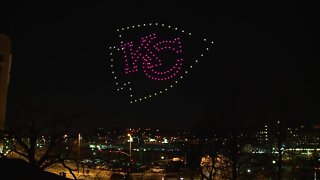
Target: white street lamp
79 141
78 153
130 140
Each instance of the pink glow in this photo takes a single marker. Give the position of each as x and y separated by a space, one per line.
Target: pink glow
147 52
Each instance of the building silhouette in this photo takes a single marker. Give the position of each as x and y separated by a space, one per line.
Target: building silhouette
5 64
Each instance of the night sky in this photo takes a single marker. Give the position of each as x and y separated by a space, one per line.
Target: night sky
262 67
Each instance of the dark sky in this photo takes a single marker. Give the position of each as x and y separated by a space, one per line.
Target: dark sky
263 63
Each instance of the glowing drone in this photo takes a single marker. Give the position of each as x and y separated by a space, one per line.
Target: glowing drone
148 64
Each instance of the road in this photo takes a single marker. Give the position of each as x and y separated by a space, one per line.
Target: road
92 173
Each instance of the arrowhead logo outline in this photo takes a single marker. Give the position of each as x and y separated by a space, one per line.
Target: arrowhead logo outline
133 58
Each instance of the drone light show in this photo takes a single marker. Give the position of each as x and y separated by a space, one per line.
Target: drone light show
150 59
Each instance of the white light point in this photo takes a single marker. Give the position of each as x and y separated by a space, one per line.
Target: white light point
166 89
212 42
129 82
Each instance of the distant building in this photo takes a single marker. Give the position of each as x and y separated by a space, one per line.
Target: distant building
262 136
5 63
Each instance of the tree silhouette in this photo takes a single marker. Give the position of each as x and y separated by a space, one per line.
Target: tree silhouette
25 137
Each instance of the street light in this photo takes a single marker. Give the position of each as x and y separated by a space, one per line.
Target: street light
130 140
78 153
79 141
